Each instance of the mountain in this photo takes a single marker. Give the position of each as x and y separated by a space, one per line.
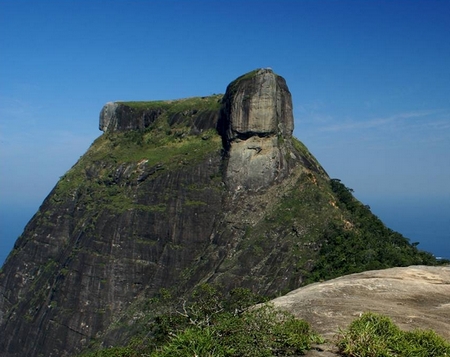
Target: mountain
176 193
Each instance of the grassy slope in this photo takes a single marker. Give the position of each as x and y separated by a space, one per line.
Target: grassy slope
179 105
161 146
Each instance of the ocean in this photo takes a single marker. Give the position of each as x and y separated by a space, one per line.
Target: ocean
423 219
13 219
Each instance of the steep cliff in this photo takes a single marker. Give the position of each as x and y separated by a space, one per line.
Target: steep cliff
256 126
175 193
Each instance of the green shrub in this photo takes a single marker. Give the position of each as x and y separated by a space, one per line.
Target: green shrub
260 332
374 335
192 341
216 324
128 351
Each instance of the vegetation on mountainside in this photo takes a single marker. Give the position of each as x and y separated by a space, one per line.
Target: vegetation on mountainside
306 154
374 335
212 324
327 232
293 222
117 160
360 241
171 107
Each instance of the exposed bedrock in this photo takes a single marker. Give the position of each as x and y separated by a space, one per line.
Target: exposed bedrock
122 116
256 124
257 103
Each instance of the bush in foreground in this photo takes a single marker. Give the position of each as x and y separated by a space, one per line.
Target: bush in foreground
214 325
374 335
260 332
211 324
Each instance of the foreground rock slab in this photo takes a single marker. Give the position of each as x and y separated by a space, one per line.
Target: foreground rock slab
414 297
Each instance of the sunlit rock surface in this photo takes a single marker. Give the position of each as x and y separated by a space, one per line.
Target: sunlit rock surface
414 297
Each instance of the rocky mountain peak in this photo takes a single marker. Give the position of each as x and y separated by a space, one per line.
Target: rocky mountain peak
257 104
176 194
256 124
254 118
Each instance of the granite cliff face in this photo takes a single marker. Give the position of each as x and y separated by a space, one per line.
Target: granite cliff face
174 193
133 116
258 103
256 126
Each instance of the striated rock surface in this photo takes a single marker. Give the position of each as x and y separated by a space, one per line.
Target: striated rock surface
109 117
256 125
414 297
258 103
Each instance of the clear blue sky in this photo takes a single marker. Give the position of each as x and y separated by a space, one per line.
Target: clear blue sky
370 82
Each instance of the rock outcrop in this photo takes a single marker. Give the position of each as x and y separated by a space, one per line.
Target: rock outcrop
257 104
414 297
125 116
109 118
173 194
256 125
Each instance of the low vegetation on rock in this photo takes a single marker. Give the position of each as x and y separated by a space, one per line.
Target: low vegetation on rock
374 335
215 325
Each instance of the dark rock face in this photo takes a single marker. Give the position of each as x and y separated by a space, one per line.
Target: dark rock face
164 200
122 116
72 276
